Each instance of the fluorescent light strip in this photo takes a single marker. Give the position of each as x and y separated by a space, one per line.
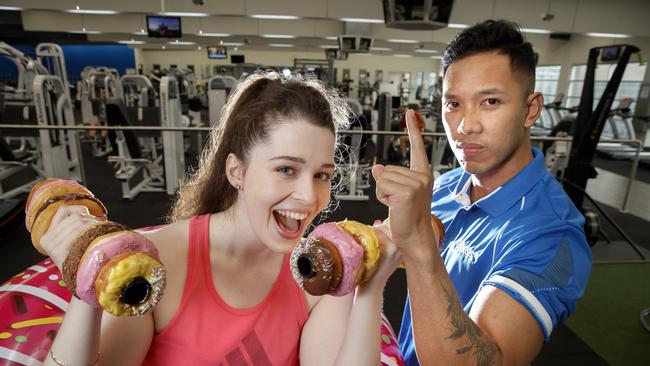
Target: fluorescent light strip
131 42
362 20
285 36
401 55
457 25
10 8
181 43
607 35
402 41
437 57
184 14
215 34
327 46
269 16
380 49
534 30
422 50
331 38
84 32
280 45
139 33
89 11
234 44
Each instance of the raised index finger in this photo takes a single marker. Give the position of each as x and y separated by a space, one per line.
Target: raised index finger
419 159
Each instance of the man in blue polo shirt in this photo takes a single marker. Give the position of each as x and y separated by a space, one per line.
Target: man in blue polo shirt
514 259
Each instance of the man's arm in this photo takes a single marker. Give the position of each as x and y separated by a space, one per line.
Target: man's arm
498 330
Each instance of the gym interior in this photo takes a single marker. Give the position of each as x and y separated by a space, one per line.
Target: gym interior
160 72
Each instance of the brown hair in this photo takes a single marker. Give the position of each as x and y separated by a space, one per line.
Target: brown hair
258 103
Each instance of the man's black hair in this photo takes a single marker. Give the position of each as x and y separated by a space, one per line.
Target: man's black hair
499 36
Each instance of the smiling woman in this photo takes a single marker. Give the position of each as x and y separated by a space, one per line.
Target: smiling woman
231 299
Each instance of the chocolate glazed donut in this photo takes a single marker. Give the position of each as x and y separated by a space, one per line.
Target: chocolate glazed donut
321 267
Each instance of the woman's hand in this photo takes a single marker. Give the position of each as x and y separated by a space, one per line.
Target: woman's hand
389 259
67 223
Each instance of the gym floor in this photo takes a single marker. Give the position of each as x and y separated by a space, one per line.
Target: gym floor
148 209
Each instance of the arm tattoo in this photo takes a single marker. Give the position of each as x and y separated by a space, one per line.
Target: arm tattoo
483 349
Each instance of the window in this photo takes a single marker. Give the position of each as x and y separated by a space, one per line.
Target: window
629 88
546 80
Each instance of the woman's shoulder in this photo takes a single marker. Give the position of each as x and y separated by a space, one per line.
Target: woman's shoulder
173 236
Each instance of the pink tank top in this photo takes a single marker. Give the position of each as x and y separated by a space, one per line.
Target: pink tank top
207 331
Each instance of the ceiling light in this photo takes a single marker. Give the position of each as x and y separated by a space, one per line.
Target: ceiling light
163 47
401 55
457 25
422 50
538 31
608 35
402 40
380 49
362 20
84 31
10 8
181 43
269 16
130 42
329 46
89 11
199 48
184 14
278 36
232 44
216 34
437 57
280 45
332 38
141 33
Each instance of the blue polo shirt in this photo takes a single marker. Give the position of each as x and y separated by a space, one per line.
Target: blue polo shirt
525 238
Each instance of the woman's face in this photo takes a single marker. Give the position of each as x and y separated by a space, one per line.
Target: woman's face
287 182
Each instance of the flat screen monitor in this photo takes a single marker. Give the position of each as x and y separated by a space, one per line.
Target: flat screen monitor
237 59
217 52
610 53
164 27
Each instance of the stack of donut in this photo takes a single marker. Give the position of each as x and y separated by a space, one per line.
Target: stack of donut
108 265
336 257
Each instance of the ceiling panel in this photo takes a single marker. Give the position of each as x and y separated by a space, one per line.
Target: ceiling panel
215 7
301 8
371 9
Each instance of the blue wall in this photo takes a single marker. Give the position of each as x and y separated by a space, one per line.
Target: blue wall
77 57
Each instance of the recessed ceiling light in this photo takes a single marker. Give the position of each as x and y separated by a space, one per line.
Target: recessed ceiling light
332 38
10 8
422 50
362 20
132 41
278 36
235 44
607 35
84 31
181 43
457 25
402 40
280 45
184 14
90 11
270 16
205 34
380 49
401 55
141 33
329 46
534 30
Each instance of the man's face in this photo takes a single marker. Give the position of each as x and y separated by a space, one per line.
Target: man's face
484 111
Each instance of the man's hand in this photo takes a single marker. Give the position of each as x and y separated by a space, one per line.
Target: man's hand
407 193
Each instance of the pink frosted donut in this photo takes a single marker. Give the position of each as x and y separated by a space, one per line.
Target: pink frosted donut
350 251
101 252
32 198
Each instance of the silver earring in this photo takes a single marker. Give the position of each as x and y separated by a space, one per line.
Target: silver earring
238 187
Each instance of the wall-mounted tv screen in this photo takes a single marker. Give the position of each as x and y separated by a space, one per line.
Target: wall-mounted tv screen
237 59
163 27
217 52
610 53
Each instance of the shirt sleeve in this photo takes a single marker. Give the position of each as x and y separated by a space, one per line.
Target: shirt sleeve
548 280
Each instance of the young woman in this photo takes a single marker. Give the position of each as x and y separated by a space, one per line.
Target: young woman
230 297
